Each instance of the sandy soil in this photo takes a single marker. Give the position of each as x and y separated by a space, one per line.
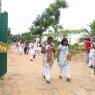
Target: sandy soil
25 77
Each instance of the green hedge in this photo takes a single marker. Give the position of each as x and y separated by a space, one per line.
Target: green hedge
74 49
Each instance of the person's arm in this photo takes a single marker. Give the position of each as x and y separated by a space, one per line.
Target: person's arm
43 50
58 55
69 55
59 49
52 46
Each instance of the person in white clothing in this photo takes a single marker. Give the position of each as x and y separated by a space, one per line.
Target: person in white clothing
20 47
92 56
48 58
31 51
63 59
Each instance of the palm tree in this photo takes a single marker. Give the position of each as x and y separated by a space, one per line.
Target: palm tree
92 27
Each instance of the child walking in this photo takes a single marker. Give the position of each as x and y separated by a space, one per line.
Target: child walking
63 63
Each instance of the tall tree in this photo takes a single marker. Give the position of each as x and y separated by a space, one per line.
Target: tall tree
54 14
50 17
90 33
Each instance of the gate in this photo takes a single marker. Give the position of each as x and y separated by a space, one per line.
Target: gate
3 43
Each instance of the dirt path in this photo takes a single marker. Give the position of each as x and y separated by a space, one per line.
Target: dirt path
25 78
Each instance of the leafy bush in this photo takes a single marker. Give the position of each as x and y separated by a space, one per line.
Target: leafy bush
56 42
76 48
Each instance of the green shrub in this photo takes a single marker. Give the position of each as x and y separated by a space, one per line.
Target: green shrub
76 48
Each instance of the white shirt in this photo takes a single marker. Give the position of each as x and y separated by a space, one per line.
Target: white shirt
92 53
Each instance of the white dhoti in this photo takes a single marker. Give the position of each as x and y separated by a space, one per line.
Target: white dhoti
66 68
91 62
63 62
32 53
20 50
47 68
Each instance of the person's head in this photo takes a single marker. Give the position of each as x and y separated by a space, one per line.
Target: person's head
64 41
87 39
49 40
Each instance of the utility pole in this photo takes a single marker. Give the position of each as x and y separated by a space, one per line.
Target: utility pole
0 6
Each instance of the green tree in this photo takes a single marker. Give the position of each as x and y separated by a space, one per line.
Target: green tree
89 33
54 15
92 27
50 17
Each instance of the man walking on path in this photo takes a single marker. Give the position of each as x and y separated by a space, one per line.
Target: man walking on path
48 58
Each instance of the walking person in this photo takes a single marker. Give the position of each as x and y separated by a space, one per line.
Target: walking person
48 58
31 51
87 49
26 46
21 47
63 53
34 44
91 57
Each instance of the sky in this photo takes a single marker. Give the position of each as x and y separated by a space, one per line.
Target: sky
21 13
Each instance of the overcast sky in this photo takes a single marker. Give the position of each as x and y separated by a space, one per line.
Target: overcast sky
22 13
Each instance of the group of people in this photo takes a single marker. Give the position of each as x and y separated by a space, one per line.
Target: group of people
27 48
90 53
48 56
62 59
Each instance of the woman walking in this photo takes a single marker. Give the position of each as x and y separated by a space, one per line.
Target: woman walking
63 63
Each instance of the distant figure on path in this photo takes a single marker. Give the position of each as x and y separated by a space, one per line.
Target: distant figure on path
91 56
31 51
21 47
87 49
26 47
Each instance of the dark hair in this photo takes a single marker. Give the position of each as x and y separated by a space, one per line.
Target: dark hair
50 38
63 41
87 39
